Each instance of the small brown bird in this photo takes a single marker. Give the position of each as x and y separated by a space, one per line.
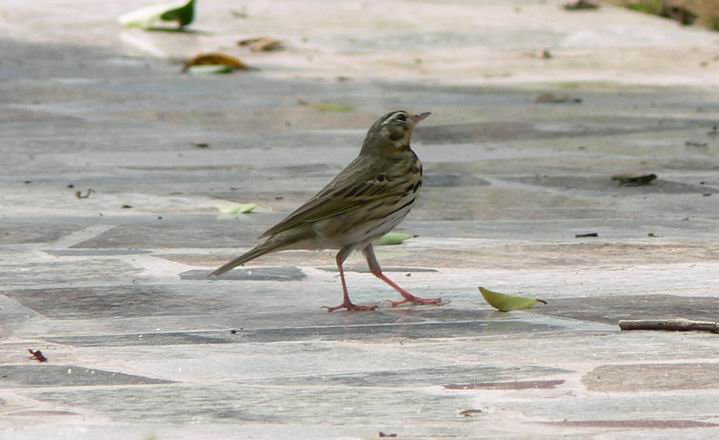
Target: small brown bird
365 201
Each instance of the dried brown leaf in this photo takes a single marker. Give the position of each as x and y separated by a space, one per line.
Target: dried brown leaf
215 59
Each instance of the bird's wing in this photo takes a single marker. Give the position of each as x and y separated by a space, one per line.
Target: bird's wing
354 187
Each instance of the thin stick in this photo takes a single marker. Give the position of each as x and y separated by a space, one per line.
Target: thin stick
675 325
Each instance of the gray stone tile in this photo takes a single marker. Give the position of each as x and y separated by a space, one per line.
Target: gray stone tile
22 273
149 339
406 330
610 309
505 130
303 329
246 404
606 185
448 180
210 235
35 234
291 273
652 377
444 375
389 269
48 375
115 301
95 252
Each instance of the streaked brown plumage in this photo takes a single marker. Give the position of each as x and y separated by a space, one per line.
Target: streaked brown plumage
365 201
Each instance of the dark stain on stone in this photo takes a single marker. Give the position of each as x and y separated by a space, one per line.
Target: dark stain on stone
516 385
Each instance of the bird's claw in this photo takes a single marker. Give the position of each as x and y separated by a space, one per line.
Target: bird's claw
418 301
350 307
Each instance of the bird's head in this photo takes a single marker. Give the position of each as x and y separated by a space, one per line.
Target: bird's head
391 133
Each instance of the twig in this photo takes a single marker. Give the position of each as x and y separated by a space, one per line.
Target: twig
79 195
675 325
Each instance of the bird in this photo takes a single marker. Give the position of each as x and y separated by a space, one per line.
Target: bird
367 199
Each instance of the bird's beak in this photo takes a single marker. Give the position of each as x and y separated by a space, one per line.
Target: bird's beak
420 117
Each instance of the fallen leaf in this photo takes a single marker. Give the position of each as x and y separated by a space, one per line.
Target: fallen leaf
216 61
236 208
331 107
37 355
261 44
695 144
505 303
150 17
393 238
551 98
383 434
200 144
580 5
634 179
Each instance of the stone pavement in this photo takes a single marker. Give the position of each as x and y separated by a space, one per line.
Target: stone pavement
140 345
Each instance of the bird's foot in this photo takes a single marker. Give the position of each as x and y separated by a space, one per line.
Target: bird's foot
350 307
411 299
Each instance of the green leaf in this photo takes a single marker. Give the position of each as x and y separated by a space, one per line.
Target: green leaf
150 17
393 238
236 208
209 69
331 107
505 303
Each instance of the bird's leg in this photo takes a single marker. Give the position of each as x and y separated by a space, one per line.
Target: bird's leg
377 271
346 303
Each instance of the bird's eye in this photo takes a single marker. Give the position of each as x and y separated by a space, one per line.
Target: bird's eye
401 117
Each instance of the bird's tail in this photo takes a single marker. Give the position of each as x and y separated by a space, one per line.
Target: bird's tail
242 259
283 240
